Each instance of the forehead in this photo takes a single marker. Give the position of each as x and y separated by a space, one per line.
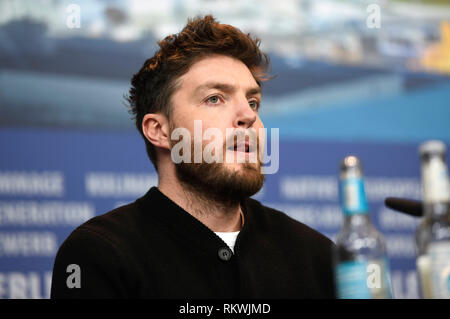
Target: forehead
217 68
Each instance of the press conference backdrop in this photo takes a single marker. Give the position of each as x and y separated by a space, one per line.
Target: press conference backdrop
69 150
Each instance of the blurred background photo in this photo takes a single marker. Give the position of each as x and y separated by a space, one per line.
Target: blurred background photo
353 77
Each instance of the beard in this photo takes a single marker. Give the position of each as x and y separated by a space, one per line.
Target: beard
218 182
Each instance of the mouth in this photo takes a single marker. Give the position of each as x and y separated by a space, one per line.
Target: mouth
242 150
241 147
245 147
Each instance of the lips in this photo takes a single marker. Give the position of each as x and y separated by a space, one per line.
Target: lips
244 147
242 141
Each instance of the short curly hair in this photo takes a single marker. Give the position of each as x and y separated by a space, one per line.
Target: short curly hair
153 86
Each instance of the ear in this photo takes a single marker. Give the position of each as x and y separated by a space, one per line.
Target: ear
155 127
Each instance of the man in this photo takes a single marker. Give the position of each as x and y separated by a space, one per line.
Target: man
198 234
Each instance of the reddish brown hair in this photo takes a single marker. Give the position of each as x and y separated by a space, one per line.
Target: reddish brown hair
155 83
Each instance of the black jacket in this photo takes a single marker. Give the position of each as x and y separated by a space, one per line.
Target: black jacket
153 248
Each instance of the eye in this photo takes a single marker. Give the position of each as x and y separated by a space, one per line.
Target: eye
254 104
215 99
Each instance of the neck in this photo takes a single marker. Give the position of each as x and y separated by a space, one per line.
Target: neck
217 216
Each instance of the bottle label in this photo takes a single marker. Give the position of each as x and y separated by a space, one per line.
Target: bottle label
351 280
439 253
436 186
363 280
353 196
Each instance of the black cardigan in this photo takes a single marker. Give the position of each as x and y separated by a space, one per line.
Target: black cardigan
153 248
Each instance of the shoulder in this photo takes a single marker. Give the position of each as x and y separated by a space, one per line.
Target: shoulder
117 229
102 232
101 248
117 222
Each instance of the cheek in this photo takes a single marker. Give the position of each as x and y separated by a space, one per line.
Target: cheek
215 121
183 120
183 113
213 134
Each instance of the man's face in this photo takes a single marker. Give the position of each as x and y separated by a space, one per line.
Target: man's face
222 93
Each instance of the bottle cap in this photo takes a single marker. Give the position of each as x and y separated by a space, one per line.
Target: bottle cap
350 161
432 146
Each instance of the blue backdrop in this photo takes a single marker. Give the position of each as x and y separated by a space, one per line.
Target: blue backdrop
52 180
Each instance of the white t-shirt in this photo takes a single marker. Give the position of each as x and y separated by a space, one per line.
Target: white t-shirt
229 238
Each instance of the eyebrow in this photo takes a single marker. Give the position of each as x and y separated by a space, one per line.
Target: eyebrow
225 88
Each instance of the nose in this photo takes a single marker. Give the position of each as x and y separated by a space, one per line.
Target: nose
245 115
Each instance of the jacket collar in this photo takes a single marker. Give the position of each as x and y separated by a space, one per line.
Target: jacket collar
184 225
